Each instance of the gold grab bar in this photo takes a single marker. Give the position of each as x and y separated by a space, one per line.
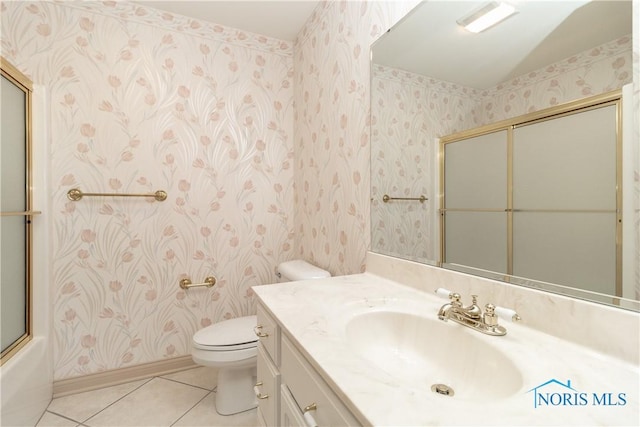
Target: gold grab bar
386 198
208 282
75 195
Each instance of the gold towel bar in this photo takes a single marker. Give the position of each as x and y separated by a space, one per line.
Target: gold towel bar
208 282
386 198
21 213
75 195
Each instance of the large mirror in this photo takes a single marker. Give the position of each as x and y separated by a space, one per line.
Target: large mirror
432 79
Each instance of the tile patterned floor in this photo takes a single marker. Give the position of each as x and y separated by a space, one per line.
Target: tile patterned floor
182 399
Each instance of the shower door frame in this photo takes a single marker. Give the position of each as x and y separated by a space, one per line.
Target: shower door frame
612 98
13 75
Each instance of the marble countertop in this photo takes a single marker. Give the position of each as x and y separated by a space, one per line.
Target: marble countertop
314 314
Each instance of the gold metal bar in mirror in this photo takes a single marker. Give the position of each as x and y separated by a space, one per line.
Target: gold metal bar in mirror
208 282
75 194
443 210
23 213
386 198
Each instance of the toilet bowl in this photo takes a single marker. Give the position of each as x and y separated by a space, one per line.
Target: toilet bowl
232 347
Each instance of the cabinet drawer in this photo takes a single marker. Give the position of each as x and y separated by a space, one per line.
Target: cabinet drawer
269 376
307 388
268 332
290 415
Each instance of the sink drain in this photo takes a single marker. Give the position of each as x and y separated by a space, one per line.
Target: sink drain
442 389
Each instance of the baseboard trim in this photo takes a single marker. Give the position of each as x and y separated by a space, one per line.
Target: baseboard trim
121 376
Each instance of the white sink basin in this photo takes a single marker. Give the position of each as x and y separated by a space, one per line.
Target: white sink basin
418 350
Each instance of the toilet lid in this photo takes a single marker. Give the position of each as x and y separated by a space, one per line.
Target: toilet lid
230 332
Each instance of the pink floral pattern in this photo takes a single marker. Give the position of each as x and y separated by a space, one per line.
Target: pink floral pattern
599 70
140 14
140 102
408 113
332 130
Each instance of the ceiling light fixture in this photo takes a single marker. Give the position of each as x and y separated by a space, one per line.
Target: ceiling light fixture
486 16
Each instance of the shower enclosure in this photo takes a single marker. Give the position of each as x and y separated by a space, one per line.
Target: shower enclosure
16 213
25 364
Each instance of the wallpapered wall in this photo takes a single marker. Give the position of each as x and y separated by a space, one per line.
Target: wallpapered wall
141 101
636 136
332 130
408 112
405 105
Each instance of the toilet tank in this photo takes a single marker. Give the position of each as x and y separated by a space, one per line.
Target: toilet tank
298 269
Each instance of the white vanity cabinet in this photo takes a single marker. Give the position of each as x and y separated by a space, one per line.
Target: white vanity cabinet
310 392
290 415
268 375
293 386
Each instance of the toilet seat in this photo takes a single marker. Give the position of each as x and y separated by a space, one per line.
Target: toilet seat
237 347
232 359
233 335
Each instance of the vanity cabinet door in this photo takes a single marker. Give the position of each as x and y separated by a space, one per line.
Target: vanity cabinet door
268 332
308 388
267 387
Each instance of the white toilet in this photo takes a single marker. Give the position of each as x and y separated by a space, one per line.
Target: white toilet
231 346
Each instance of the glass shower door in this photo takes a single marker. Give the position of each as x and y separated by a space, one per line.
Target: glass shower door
15 213
475 202
565 200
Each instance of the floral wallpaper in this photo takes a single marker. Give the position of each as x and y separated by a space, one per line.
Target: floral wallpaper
410 111
599 70
142 101
332 149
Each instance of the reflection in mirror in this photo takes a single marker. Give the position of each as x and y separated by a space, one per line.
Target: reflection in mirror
538 196
431 79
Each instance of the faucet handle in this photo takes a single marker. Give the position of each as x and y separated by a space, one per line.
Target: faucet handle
508 314
455 299
474 299
489 317
443 293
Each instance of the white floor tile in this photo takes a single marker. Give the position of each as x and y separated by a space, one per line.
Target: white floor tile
204 414
82 406
52 420
202 376
158 403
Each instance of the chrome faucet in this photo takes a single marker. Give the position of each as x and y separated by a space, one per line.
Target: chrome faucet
472 315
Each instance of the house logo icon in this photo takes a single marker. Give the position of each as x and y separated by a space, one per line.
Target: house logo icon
545 398
557 393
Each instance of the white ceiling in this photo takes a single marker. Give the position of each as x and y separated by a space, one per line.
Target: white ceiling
429 42
279 19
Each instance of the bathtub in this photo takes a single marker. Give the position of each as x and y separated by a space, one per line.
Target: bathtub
26 384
